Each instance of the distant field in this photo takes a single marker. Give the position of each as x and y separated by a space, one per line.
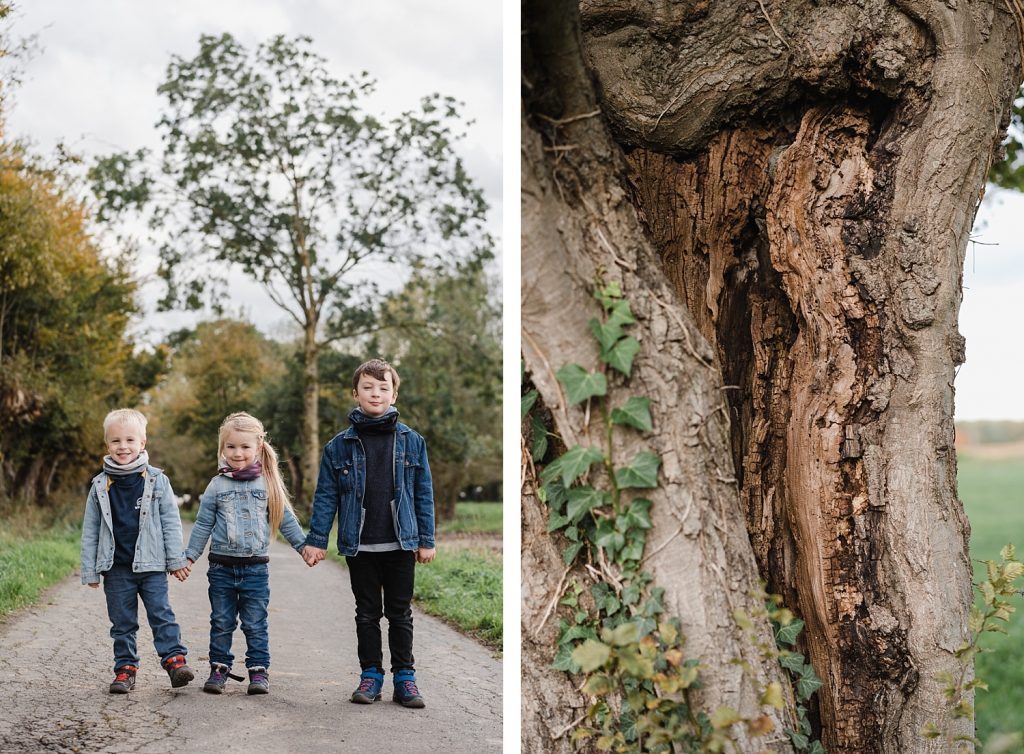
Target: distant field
992 489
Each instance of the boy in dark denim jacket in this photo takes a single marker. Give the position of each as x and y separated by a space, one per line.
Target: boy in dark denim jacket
131 536
375 478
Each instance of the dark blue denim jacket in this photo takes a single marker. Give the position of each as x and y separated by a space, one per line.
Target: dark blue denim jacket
342 482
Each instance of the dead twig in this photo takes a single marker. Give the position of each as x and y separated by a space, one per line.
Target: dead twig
769 20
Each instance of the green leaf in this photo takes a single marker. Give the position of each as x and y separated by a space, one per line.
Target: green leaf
571 465
800 741
621 355
637 665
623 634
563 660
606 334
556 520
772 696
526 403
540 440
631 594
816 748
609 295
792 661
723 717
638 515
571 552
598 685
636 412
591 654
580 384
807 685
641 473
787 634
620 313
607 537
582 500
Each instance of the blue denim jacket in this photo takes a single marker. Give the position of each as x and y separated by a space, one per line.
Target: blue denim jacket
234 513
158 547
342 482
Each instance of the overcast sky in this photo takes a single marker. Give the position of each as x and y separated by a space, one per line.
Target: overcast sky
93 84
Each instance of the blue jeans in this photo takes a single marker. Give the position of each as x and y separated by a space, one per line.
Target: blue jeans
239 592
123 588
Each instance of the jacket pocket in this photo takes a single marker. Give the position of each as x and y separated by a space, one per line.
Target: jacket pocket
346 476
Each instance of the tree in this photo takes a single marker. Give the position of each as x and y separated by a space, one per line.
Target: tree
270 166
444 331
65 357
784 194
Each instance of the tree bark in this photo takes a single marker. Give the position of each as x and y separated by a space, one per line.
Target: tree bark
579 221
310 461
808 174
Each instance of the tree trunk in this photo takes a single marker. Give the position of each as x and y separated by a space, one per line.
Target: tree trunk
578 220
808 174
310 418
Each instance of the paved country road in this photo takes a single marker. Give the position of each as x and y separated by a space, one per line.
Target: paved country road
55 665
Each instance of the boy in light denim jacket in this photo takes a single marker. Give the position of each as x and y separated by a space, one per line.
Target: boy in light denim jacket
375 478
131 536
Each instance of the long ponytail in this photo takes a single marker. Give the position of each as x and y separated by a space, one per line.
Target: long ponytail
277 496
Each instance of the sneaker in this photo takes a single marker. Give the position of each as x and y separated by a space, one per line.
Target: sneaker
370 684
259 681
406 692
124 679
180 673
219 675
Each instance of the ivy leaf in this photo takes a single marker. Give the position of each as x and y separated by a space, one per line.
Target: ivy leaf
816 748
620 313
636 412
633 549
582 500
800 741
598 685
571 465
591 654
580 384
637 665
793 662
772 696
556 520
620 356
609 295
638 515
606 334
526 403
723 717
540 440
807 684
787 634
563 660
622 635
641 473
608 538
571 552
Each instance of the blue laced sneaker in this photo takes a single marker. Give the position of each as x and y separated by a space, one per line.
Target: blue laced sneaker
406 692
370 684
259 681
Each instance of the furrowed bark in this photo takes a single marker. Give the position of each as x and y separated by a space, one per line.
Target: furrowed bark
809 174
579 224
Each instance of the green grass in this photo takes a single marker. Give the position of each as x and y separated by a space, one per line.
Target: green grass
464 588
30 565
993 495
478 518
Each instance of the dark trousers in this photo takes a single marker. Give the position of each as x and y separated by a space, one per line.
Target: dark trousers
382 583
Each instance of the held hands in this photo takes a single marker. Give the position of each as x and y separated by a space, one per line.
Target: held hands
95 586
182 573
426 554
313 555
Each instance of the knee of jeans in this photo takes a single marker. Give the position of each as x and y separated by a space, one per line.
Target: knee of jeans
400 615
369 617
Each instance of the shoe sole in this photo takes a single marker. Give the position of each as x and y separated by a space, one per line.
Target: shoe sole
410 703
181 678
253 690
364 699
119 690
213 689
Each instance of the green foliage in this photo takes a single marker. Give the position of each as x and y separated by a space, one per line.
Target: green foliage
995 588
31 562
465 588
615 632
1009 172
65 356
474 518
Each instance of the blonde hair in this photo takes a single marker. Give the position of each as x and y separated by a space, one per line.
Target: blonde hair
125 416
277 495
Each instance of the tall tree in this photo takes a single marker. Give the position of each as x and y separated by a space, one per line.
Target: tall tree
785 192
270 166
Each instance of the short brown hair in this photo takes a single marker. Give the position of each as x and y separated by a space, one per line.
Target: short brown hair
376 368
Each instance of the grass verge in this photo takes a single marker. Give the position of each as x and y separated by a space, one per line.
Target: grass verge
464 588
37 549
476 518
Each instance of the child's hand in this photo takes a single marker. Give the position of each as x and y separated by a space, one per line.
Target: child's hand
182 573
95 586
313 555
426 554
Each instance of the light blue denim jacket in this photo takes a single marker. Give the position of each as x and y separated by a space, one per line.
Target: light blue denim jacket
234 513
342 482
158 547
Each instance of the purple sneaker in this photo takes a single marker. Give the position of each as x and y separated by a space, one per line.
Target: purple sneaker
219 675
259 681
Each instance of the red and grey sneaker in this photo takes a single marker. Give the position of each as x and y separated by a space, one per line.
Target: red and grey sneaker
406 692
124 679
178 671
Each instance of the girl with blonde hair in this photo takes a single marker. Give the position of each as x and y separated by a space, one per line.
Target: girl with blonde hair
239 513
